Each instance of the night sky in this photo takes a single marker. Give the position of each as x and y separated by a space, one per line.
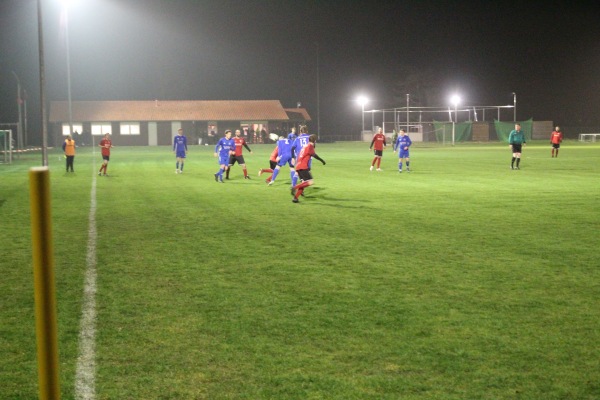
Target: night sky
298 51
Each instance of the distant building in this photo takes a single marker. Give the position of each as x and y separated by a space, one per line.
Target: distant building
154 123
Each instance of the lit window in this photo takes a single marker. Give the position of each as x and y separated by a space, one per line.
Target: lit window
66 129
99 129
130 128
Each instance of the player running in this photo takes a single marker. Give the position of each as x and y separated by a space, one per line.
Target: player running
284 156
297 146
303 169
180 149
225 147
272 163
402 144
239 143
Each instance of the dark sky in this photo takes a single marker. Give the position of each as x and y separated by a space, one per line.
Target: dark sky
547 52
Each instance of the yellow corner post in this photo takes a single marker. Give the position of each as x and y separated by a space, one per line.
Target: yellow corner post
43 273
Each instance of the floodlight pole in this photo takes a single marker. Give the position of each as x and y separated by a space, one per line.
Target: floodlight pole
25 116
362 127
373 121
454 124
407 112
66 10
514 107
42 87
318 98
20 125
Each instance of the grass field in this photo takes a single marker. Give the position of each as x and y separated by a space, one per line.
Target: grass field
461 280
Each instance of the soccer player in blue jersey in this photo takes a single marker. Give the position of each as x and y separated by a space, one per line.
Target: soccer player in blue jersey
301 141
402 144
292 135
225 147
284 156
180 149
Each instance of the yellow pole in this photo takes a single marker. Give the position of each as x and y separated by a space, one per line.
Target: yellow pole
43 273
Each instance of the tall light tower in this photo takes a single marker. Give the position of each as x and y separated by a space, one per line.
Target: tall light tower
514 107
66 4
19 101
454 100
407 111
318 97
362 100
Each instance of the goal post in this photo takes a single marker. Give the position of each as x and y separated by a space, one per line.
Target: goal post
6 146
589 137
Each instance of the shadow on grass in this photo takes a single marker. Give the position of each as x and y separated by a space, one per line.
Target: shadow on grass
314 195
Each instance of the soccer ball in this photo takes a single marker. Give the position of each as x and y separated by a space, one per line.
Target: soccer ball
273 137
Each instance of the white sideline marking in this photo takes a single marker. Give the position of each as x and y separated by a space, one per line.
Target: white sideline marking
85 374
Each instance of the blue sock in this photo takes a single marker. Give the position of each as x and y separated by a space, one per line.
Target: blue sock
292 173
408 165
294 180
275 173
177 165
400 166
182 166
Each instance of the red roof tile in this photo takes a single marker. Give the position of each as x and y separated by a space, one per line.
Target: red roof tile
298 114
172 110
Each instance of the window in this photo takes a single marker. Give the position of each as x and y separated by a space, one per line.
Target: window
66 129
101 128
130 128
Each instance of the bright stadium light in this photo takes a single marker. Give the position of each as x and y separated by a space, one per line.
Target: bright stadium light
362 100
455 99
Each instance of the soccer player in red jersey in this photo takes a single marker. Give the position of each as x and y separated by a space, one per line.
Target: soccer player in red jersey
555 139
106 145
379 143
272 164
303 169
239 142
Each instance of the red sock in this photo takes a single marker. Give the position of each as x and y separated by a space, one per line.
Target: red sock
378 162
269 178
301 186
298 193
245 172
267 170
373 163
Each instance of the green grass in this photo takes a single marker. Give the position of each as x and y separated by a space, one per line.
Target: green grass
461 280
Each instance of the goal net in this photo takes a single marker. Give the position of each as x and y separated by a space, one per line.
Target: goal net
5 147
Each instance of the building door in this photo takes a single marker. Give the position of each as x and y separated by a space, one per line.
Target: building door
152 134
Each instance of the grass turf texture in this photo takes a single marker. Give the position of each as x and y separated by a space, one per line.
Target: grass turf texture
461 280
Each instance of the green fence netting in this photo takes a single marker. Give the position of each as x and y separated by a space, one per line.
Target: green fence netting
463 131
503 129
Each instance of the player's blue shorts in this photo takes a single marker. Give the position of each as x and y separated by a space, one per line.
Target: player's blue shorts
224 159
403 153
285 160
180 154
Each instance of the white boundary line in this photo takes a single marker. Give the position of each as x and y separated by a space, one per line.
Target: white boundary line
85 373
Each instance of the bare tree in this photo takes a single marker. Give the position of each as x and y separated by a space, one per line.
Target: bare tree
423 85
